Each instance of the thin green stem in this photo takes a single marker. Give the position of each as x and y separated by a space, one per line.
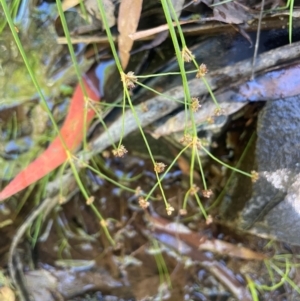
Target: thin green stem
158 93
192 165
103 224
225 189
210 92
200 205
76 67
109 35
291 20
167 171
201 171
226 165
26 62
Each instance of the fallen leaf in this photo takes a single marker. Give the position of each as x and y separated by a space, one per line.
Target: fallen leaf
50 284
149 32
128 20
42 285
200 242
67 4
6 294
56 154
158 39
228 249
230 12
173 238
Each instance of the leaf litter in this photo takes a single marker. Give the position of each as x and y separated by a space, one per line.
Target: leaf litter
212 245
128 20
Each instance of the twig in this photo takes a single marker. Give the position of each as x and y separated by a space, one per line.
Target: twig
257 37
83 39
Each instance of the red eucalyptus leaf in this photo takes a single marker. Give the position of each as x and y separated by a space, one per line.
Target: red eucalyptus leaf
56 154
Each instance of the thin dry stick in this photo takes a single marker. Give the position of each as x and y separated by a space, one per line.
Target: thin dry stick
86 40
257 37
149 32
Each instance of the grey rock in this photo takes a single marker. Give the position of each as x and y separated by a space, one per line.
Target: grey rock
271 206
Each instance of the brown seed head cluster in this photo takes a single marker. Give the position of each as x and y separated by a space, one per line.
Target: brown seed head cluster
90 200
195 105
106 154
183 211
143 203
93 104
196 143
103 223
219 112
254 176
120 151
194 189
129 79
187 139
209 220
61 200
159 167
187 55
207 193
210 120
169 209
201 71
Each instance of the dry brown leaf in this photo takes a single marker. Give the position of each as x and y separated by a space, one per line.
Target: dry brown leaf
200 242
128 20
42 285
148 32
228 249
230 12
66 4
93 9
6 294
173 237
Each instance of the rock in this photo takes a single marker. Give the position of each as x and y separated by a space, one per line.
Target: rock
270 207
